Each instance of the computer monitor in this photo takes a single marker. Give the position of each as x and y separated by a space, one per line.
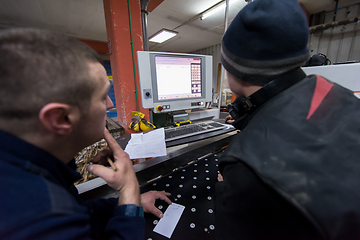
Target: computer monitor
174 81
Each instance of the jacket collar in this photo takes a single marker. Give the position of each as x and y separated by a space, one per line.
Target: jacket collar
33 159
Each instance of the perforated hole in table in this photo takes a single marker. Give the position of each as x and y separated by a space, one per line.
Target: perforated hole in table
192 187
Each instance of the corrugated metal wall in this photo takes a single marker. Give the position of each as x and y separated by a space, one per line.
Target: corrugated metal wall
339 44
342 43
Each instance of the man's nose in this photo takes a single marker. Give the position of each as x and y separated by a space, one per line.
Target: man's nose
109 103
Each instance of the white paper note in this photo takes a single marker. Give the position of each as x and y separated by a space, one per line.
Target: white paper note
149 144
136 138
167 224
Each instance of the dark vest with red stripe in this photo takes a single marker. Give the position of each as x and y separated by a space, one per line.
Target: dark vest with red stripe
305 144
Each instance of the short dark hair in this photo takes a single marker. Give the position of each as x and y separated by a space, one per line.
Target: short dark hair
38 67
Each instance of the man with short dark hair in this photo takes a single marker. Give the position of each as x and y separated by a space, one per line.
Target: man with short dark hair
53 103
293 171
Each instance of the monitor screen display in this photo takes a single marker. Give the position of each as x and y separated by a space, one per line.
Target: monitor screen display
178 77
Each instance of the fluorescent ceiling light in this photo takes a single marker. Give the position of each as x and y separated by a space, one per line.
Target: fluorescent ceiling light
162 36
217 9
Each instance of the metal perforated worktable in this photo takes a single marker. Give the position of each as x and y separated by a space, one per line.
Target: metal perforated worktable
189 173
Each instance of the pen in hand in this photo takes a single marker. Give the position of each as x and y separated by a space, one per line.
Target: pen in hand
111 164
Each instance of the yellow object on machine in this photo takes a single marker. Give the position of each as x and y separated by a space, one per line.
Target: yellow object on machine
145 125
176 124
138 122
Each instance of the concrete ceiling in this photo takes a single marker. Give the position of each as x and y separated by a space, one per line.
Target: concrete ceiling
84 19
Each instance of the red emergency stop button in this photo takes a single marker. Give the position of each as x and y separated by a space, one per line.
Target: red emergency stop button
159 108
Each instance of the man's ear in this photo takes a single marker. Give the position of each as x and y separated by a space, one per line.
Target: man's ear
59 118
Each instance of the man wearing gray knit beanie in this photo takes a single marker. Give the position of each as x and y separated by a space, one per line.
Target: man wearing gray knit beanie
293 170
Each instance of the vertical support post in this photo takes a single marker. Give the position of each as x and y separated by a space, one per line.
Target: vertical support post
222 68
144 14
120 42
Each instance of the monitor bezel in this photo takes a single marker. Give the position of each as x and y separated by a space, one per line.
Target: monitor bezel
148 86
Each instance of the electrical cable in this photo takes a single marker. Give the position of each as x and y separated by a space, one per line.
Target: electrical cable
133 57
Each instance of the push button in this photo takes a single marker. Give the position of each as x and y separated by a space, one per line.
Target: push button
159 108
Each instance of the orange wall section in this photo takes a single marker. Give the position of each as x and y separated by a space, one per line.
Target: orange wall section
119 41
153 4
99 47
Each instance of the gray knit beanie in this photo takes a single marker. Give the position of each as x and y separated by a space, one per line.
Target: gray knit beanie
266 38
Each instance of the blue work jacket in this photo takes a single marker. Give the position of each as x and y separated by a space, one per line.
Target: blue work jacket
39 200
